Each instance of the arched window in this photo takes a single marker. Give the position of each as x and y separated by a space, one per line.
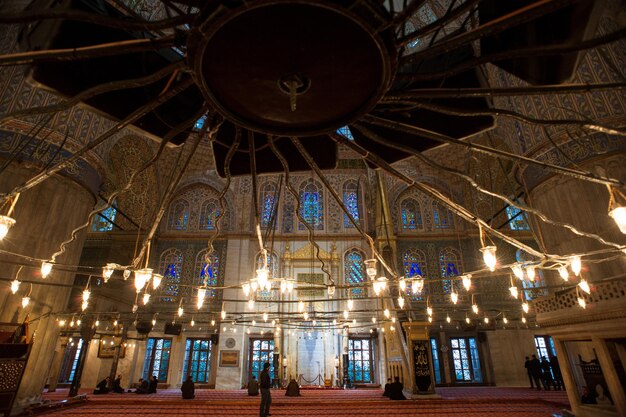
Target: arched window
442 217
208 214
408 29
272 265
517 220
207 270
411 214
269 205
312 205
449 265
414 262
351 201
539 281
170 266
103 221
345 132
354 272
179 215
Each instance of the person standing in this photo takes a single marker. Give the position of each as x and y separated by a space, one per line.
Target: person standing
535 369
528 367
547 374
556 371
266 396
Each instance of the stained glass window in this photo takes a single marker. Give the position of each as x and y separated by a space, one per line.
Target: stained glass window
449 264
436 361
411 214
262 351
354 272
351 201
408 29
200 123
208 214
197 360
442 217
272 265
70 361
269 206
414 262
312 205
465 359
517 220
103 221
170 266
208 274
426 14
345 132
361 360
178 216
157 358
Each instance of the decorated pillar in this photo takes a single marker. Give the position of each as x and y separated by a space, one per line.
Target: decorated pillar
345 336
420 358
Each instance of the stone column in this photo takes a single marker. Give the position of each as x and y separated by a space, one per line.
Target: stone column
421 358
345 336
45 215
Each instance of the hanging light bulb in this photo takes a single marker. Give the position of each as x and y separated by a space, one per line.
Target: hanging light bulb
373 319
314 322
454 297
126 274
370 268
306 315
563 273
135 308
15 285
251 304
61 323
108 270
582 302
345 314
517 270
331 290
402 284
246 289
201 297
467 320
430 319
525 307
142 276
97 323
283 286
86 295
376 287
6 223
261 276
448 319
115 322
505 320
78 322
429 310
273 323
401 302
530 272
289 285
618 214
523 319
46 268
192 323
254 322
334 322
180 311
265 317
156 280
350 304
382 283
467 282
84 305
254 285
223 314
514 291
72 323
575 264
268 285
486 319
584 285
418 285
300 306
475 308
387 313
489 257
393 319
25 301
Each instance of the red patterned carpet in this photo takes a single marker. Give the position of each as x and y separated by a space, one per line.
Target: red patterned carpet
457 402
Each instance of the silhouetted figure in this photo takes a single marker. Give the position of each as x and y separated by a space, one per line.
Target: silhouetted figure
528 366
535 369
387 386
117 385
102 387
395 390
253 386
154 382
547 374
144 387
588 397
266 396
188 389
556 371
293 390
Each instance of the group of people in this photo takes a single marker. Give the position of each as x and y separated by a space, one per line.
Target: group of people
544 373
393 390
104 386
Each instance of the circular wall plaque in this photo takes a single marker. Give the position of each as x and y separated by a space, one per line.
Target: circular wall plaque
230 343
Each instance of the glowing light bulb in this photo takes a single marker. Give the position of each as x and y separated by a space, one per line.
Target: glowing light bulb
467 320
84 305
418 285
306 315
575 264
97 322
201 298
6 223
46 268
141 278
192 323
530 272
283 286
251 304
265 317
429 310
72 323
582 302
454 297
523 319
25 301
525 307
448 319
300 306
334 322
154 322
254 285
115 322
402 284
262 275
489 257
180 311
387 313
392 328
61 323
126 274
223 314
146 298
331 290
248 331
401 302
289 286
314 322
486 320
393 319
430 319
584 285
246 289
350 304
514 291
505 320
78 322
107 271
156 280
135 308
213 321
563 273
370 268
517 270
618 214
475 308
382 283
467 282
376 287
345 314
86 295
373 319
15 285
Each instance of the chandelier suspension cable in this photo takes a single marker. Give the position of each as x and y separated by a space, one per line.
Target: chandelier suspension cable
371 135
255 198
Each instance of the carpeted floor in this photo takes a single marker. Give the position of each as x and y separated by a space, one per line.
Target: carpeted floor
457 402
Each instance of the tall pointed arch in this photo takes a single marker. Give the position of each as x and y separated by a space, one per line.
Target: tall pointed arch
209 211
442 217
414 262
178 215
268 199
170 266
354 273
206 270
351 201
450 264
312 204
411 214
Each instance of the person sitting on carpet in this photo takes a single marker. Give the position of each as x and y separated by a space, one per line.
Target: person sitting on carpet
387 386
188 389
117 385
293 390
144 386
102 387
253 386
395 390
154 382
